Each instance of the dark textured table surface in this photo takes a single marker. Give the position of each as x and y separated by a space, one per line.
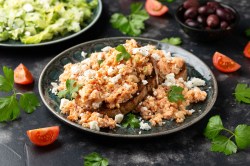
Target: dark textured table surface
187 147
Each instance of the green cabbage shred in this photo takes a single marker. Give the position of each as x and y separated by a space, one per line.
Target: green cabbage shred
34 21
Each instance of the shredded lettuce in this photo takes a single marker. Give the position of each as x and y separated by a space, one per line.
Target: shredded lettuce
33 21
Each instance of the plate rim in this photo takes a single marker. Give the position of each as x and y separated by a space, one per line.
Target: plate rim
148 135
51 42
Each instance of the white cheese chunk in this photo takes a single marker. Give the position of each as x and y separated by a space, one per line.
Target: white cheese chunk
54 87
142 50
144 82
115 79
93 125
144 126
119 118
63 103
84 54
106 49
156 56
194 82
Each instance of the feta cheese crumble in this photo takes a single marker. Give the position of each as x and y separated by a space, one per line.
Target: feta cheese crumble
156 56
63 103
106 49
83 54
144 126
115 79
119 118
142 50
54 89
93 125
194 82
144 82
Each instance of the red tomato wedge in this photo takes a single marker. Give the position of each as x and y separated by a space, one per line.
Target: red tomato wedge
155 8
22 75
43 136
224 63
247 50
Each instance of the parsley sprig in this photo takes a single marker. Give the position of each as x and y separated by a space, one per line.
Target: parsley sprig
132 24
172 40
242 93
223 144
123 55
131 121
175 94
70 91
95 159
10 105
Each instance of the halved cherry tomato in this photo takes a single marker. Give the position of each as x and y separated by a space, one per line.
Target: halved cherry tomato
22 75
247 50
224 63
155 8
43 136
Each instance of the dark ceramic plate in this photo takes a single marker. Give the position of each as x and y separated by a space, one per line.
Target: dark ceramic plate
90 22
196 68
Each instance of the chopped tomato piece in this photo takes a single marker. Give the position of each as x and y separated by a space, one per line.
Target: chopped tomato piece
22 75
224 63
155 8
247 50
43 136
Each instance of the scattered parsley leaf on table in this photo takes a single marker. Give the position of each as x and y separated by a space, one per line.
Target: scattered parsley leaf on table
223 144
7 80
132 24
172 40
175 94
28 102
95 159
131 121
242 136
214 127
242 93
70 91
10 105
124 55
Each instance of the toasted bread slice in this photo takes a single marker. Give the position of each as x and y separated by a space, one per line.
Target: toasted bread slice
144 91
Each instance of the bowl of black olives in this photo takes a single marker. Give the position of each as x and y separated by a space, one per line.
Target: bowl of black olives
206 20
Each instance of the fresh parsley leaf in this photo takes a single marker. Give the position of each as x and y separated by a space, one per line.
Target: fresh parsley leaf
100 61
172 40
221 143
9 109
95 159
242 136
132 24
242 93
28 102
175 94
7 81
124 55
224 145
10 105
131 121
214 127
247 32
70 91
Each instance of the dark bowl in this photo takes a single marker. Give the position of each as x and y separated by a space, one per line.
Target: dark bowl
206 35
